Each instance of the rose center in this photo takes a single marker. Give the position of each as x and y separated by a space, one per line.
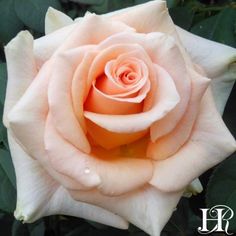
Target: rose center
125 73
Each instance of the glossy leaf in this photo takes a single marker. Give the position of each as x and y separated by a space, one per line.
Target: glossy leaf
7 166
32 12
10 24
3 81
7 192
182 16
220 28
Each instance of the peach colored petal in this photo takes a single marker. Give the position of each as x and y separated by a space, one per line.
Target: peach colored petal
60 102
21 69
148 208
76 35
218 61
92 23
113 86
45 46
209 144
164 51
149 17
27 123
167 54
101 103
167 145
136 95
79 83
31 110
98 66
93 172
109 140
166 99
38 195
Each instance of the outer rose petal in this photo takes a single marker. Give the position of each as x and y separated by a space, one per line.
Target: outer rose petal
55 20
21 69
39 195
169 144
91 171
210 143
147 208
60 101
45 46
218 61
27 118
149 17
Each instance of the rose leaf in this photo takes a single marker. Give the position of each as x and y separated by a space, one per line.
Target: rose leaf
220 27
32 12
10 24
7 191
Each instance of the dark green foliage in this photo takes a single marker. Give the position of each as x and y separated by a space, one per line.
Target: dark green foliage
32 12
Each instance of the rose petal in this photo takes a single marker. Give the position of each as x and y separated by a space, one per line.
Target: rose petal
62 203
78 86
27 122
107 96
147 208
217 60
21 69
149 17
45 46
166 99
99 102
109 140
91 171
60 102
27 115
55 20
210 143
76 35
108 53
92 23
169 144
39 195
163 50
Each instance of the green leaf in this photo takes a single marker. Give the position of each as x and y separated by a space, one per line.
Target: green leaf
10 24
7 192
3 81
109 5
172 3
221 189
32 12
220 28
3 131
140 1
19 229
37 228
7 166
91 2
182 16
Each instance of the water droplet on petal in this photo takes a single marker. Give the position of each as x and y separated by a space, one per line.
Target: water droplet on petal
86 170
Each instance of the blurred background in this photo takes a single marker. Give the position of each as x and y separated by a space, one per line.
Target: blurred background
212 19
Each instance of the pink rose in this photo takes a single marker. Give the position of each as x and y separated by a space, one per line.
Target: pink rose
110 117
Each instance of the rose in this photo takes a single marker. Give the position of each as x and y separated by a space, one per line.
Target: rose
109 118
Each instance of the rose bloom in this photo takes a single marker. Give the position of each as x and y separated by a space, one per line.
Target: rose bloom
110 117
